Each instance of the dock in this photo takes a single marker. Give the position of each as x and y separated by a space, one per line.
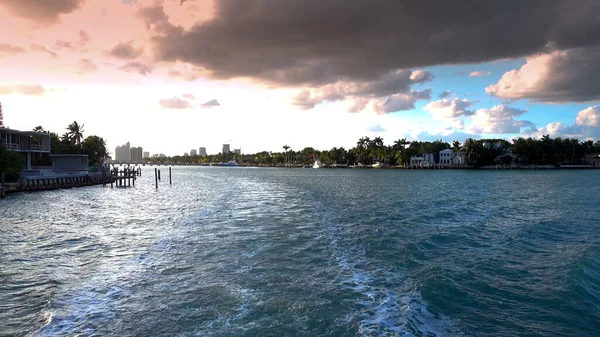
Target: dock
115 177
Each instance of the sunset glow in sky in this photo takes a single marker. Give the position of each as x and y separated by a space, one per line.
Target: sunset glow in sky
175 75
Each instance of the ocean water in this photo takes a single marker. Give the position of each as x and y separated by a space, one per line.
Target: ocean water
304 252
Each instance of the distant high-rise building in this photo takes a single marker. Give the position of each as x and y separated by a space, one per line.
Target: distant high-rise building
237 151
136 154
123 152
162 155
226 149
146 154
186 154
1 117
193 152
155 155
202 152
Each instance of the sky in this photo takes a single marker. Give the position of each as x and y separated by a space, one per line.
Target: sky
175 75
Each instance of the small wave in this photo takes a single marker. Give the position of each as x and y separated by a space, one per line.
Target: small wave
389 303
384 310
82 313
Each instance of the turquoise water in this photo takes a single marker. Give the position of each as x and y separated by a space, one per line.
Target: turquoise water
303 252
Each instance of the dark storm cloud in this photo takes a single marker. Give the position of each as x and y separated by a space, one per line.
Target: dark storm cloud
319 42
390 92
42 11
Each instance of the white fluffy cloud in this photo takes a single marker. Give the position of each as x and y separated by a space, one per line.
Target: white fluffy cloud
587 126
499 119
557 77
480 73
449 108
589 116
559 129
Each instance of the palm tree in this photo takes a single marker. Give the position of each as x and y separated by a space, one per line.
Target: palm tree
361 147
286 148
398 148
75 133
376 146
38 128
456 146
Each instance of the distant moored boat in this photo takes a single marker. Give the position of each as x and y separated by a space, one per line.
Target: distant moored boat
318 163
230 163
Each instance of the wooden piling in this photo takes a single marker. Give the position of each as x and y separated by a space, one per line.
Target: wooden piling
158 174
2 185
156 177
170 181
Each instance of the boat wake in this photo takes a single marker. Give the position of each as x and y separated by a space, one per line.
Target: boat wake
389 303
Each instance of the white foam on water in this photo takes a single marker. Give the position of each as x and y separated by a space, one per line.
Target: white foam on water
82 312
384 310
230 324
398 311
94 304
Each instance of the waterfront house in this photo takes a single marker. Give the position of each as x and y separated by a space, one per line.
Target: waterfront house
459 158
26 142
593 159
426 160
446 157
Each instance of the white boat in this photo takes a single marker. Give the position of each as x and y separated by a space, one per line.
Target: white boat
230 163
318 163
377 165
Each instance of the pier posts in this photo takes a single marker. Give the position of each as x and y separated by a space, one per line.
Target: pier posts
2 185
170 181
156 177
158 174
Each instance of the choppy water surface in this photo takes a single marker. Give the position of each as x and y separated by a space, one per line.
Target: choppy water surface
303 252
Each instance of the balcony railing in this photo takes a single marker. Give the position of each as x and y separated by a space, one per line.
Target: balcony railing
26 147
10 146
36 147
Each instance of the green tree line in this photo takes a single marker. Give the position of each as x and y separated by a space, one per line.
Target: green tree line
73 142
481 152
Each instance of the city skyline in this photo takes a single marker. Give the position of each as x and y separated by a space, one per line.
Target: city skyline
128 153
142 70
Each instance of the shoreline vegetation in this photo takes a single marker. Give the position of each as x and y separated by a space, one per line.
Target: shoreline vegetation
522 153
